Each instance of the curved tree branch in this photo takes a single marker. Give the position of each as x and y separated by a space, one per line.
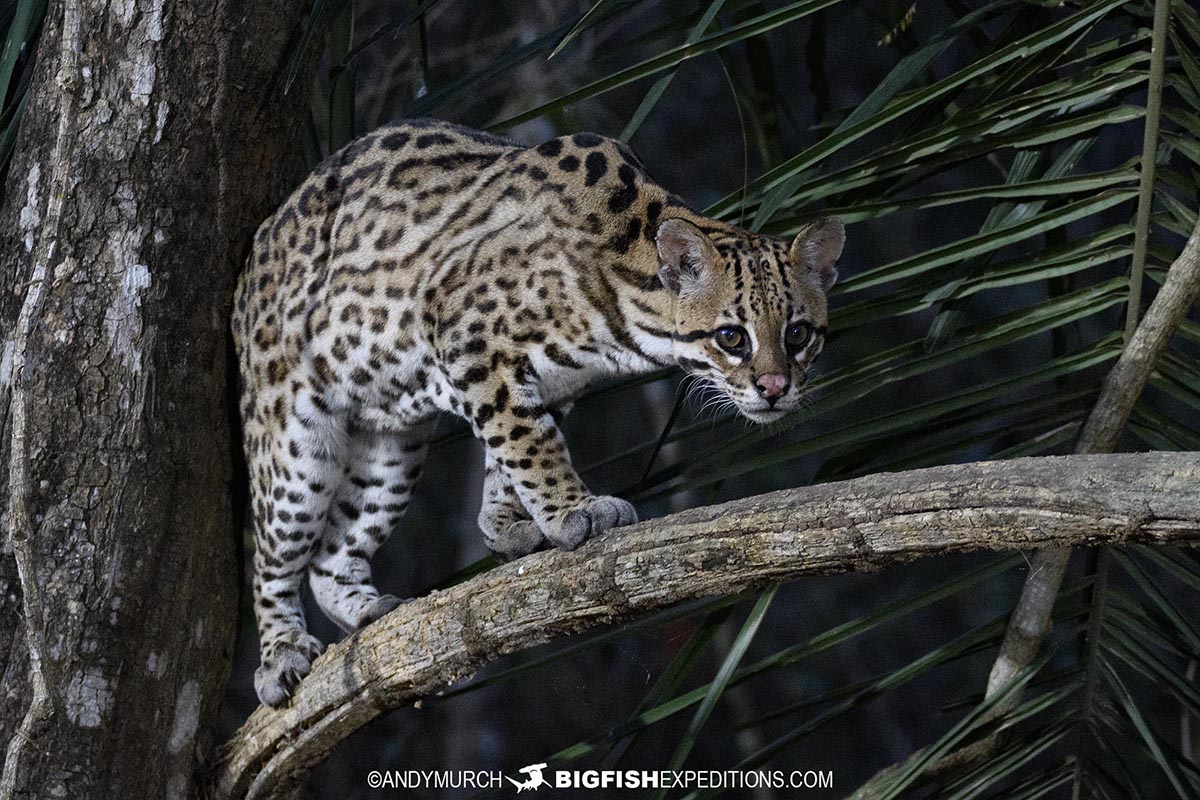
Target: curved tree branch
863 524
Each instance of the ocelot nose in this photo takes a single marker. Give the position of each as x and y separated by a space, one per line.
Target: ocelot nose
772 386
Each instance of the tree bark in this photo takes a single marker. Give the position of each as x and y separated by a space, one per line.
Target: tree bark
863 524
157 136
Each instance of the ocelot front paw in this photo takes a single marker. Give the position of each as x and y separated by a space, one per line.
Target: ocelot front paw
514 540
285 661
571 527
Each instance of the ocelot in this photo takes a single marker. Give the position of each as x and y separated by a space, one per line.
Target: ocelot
427 267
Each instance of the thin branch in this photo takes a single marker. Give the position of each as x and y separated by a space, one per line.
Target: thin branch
1141 228
1132 371
1123 386
864 524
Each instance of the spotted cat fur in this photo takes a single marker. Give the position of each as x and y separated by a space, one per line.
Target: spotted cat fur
427 267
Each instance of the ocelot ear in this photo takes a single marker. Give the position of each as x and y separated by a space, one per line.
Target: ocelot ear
686 256
817 248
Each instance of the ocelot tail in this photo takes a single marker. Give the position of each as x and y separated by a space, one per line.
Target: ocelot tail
427 268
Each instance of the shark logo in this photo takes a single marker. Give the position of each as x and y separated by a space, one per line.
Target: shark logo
535 779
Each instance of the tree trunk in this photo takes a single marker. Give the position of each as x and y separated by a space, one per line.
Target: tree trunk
156 137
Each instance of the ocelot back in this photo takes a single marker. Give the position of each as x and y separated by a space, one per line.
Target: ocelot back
427 268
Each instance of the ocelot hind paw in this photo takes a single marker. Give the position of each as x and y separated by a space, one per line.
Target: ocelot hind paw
285 662
378 608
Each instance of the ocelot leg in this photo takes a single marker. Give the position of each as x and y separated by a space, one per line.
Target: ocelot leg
523 439
508 529
373 492
291 480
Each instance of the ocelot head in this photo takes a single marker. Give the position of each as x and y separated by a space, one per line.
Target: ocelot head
751 311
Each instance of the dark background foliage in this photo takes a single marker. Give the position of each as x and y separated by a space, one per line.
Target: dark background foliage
1006 366
986 157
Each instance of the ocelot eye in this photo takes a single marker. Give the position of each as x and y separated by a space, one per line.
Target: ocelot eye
797 335
731 339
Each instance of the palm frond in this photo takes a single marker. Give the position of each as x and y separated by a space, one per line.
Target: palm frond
20 24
